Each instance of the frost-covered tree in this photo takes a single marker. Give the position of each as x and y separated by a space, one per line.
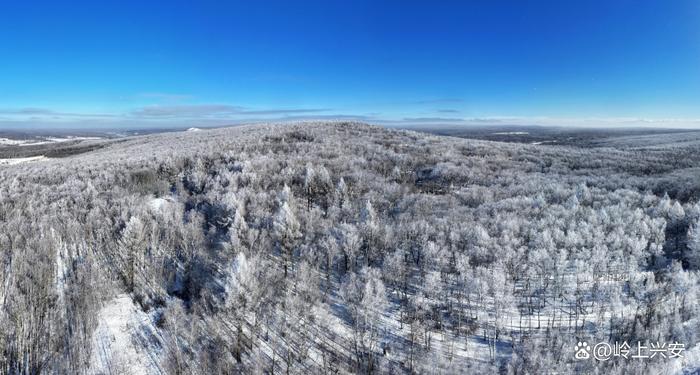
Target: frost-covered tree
132 245
693 241
286 232
240 296
366 299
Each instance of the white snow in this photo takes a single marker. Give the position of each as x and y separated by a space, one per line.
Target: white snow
13 161
13 142
157 204
72 138
125 341
511 133
42 141
194 129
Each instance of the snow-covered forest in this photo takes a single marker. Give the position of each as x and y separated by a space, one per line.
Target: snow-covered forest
338 248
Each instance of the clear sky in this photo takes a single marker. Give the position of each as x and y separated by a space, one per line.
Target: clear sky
188 63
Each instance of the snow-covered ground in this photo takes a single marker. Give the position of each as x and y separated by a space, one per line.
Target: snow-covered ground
13 142
511 133
13 161
125 341
42 141
157 204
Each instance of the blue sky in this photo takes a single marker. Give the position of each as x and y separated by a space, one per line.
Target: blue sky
105 64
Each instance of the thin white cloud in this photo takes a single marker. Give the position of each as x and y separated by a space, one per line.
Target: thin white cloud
283 111
437 101
205 110
45 112
165 96
432 119
214 110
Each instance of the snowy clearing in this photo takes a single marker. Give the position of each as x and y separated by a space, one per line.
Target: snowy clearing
125 341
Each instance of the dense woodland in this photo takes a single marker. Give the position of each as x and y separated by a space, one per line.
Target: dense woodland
334 248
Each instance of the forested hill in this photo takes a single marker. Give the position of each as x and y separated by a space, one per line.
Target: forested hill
346 248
